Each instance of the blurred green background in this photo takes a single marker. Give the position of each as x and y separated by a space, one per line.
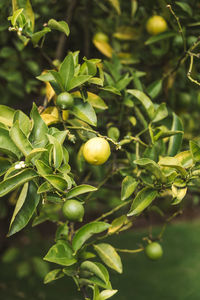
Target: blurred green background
175 277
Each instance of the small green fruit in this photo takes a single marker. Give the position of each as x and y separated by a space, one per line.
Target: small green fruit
154 251
73 210
65 101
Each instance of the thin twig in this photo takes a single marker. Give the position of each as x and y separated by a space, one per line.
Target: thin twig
130 250
118 146
179 26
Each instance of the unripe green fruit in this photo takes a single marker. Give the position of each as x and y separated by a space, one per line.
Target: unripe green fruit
65 101
73 210
154 251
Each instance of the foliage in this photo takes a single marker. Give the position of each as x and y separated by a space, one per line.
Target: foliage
42 159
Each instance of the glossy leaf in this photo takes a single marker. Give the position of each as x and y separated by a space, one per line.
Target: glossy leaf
104 48
143 199
35 154
35 38
106 294
53 275
117 224
59 25
5 164
30 14
85 112
129 184
44 187
93 268
145 100
175 141
25 207
6 115
152 167
67 70
57 151
185 158
172 162
42 168
96 101
61 253
57 182
178 194
7 146
79 190
40 129
195 150
14 181
116 5
77 81
24 122
86 231
20 139
160 113
109 256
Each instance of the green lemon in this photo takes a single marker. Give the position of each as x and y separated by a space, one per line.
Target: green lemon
96 151
156 25
154 251
65 100
73 210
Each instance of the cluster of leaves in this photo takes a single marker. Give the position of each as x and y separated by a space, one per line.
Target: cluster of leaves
42 158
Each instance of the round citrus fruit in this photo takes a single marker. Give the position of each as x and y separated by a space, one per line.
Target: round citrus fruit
96 151
65 100
101 37
156 25
73 210
154 251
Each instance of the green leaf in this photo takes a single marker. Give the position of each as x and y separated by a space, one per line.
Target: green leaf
30 14
145 100
77 81
57 151
96 101
59 25
14 181
24 121
44 187
175 141
25 207
40 129
35 38
53 275
195 150
123 82
111 89
152 167
172 162
185 159
185 7
35 154
160 37
42 168
116 5
61 253
20 139
118 224
85 112
57 182
67 70
57 83
129 184
160 113
109 256
86 231
143 199
178 194
7 146
154 88
94 268
6 115
106 294
5 164
80 189
15 16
